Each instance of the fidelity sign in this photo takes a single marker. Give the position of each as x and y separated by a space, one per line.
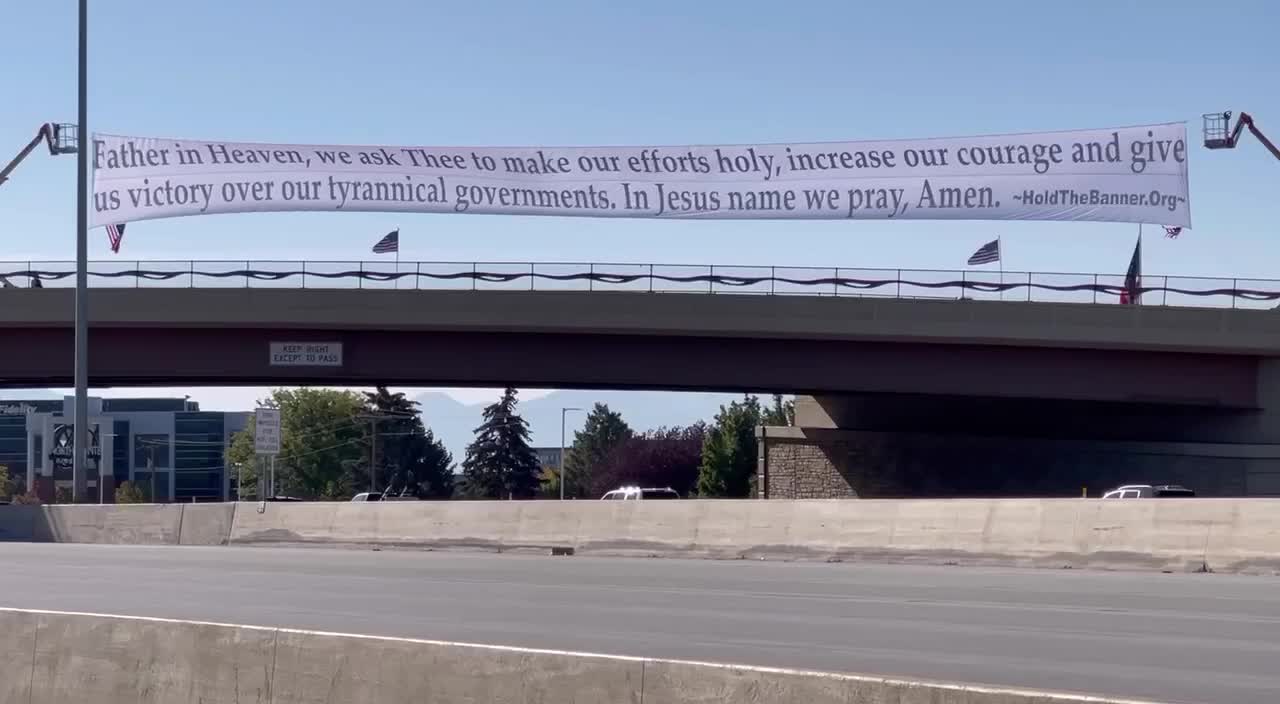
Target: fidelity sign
306 354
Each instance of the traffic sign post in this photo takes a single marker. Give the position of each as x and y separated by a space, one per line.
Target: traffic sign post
266 442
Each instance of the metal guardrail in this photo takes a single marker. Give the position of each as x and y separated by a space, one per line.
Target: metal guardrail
1057 287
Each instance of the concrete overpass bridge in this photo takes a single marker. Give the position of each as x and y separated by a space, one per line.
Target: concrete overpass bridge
881 377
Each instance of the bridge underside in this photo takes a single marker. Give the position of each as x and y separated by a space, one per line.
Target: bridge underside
946 446
169 356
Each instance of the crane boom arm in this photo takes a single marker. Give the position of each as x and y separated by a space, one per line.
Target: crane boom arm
1246 120
46 133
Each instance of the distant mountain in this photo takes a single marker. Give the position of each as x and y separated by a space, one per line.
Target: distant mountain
455 422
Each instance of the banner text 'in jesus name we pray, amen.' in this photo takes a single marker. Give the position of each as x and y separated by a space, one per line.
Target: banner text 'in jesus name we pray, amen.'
1131 174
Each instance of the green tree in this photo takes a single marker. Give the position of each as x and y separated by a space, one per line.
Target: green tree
6 483
242 461
321 440
665 457
780 413
548 482
130 493
411 460
602 432
499 462
729 450
430 475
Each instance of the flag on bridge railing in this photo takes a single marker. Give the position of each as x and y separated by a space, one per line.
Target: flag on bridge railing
388 244
115 234
986 254
1133 278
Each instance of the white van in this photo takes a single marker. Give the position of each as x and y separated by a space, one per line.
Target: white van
635 493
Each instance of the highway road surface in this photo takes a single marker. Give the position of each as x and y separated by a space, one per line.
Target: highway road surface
1206 638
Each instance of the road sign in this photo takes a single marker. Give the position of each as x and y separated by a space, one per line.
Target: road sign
306 354
266 436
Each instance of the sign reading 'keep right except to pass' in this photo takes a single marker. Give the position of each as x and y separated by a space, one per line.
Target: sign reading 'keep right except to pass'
306 354
1125 174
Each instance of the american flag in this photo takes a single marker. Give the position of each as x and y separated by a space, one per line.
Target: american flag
987 253
115 233
1172 231
388 244
1132 292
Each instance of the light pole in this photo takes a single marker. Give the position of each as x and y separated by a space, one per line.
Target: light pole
563 463
79 463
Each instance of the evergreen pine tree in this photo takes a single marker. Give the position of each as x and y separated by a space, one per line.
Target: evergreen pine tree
411 460
729 450
602 432
499 463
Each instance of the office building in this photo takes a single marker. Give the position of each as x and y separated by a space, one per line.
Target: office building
548 456
167 446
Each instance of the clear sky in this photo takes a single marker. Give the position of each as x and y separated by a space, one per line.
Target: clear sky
658 72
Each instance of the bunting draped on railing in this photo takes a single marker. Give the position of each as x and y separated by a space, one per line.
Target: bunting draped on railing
819 285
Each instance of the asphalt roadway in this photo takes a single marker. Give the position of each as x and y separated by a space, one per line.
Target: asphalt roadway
1207 638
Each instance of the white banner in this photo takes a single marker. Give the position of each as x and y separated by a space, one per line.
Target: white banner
1131 174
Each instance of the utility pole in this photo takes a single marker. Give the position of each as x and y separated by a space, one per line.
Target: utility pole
564 461
151 471
79 461
374 419
373 459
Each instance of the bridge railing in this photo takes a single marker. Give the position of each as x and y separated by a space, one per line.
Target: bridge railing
657 278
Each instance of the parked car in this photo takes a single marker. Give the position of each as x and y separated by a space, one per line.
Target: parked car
635 493
1148 491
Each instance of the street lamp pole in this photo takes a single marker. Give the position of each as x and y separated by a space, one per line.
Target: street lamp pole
81 434
563 463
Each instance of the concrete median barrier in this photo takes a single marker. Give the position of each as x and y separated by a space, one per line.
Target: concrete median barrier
710 683
317 667
1248 539
1224 535
1182 535
17 655
206 524
57 657
142 524
109 660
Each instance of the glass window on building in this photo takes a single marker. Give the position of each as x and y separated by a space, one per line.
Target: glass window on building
199 456
150 447
13 446
120 450
157 492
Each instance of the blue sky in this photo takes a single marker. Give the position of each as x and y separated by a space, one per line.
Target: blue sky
582 73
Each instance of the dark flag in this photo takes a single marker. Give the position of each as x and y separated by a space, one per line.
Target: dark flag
115 233
986 254
388 244
1133 278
